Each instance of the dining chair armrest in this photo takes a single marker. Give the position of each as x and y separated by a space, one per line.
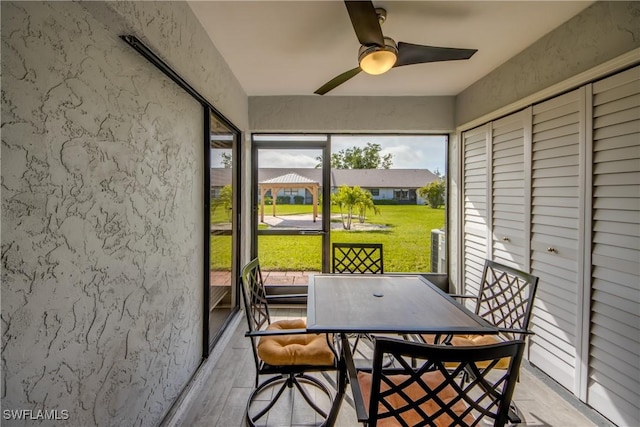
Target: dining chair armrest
275 332
516 331
358 400
284 296
463 296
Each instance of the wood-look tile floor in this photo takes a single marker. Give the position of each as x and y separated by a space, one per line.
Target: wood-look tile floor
220 392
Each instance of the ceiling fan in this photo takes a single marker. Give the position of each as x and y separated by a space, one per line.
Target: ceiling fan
378 54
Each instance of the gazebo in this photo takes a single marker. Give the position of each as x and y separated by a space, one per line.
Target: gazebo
290 180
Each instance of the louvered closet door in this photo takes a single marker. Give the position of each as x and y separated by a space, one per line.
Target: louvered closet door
614 364
556 187
475 192
508 195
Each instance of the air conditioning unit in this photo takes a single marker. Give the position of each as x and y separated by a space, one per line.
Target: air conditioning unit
438 251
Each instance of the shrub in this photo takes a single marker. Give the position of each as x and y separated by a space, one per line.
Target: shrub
385 202
434 193
298 200
283 200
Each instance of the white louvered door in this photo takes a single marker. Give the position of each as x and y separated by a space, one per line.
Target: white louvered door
475 194
613 385
509 190
564 190
556 204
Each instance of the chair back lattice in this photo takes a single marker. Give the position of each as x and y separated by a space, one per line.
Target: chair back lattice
436 395
506 297
357 258
255 297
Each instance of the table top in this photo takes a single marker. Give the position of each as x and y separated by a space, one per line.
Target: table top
380 303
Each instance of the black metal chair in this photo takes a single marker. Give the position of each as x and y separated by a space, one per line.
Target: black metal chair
431 394
357 258
282 350
505 299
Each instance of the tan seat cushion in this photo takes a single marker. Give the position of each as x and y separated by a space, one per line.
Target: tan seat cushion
473 340
414 391
467 340
298 349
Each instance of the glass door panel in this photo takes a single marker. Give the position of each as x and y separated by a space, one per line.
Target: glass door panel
222 292
290 228
379 196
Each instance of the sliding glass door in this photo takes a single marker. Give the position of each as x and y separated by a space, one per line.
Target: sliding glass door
310 191
289 206
221 292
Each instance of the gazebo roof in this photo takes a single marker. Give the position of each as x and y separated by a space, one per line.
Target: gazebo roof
290 178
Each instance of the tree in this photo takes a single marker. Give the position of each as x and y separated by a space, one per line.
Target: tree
367 157
434 193
350 199
227 160
365 202
224 200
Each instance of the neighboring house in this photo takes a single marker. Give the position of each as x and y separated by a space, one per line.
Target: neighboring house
400 185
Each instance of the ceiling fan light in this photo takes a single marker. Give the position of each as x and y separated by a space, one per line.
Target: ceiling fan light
376 59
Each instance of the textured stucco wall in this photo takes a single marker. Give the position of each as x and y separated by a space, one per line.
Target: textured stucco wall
102 208
351 113
601 32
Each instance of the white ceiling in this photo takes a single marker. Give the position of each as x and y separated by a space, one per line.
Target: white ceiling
294 47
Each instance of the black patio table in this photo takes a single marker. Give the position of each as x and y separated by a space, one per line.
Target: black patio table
383 303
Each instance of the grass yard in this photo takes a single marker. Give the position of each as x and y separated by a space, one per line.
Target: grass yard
406 240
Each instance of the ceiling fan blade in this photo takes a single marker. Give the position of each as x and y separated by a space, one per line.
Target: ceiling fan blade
365 22
409 53
337 81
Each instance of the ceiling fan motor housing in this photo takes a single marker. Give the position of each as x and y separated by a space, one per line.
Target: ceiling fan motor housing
378 59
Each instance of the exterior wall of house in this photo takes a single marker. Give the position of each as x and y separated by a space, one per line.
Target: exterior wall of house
384 194
351 114
102 207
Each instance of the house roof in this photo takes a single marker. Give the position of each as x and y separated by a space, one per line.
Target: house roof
382 178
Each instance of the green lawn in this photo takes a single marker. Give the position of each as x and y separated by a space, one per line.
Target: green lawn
407 240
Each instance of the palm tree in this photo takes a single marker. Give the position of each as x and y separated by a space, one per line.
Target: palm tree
350 198
224 200
365 202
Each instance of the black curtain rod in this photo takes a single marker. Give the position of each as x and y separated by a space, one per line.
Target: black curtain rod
143 50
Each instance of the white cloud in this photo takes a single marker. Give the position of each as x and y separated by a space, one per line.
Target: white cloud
409 151
288 158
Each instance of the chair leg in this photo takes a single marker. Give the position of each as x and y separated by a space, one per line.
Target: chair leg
279 378
368 340
514 414
288 381
317 383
